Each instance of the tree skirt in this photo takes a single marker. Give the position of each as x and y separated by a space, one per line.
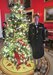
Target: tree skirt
8 69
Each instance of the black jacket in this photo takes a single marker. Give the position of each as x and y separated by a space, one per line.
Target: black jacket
36 38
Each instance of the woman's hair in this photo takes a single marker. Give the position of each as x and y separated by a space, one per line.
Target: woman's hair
36 14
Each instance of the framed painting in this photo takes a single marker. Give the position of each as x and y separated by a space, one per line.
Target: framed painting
48 14
47 0
29 14
27 3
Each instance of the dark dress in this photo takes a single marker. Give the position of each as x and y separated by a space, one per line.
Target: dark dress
36 38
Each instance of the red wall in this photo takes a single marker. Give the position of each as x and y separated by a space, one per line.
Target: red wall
4 9
38 6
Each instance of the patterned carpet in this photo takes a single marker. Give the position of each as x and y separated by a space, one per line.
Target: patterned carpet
43 66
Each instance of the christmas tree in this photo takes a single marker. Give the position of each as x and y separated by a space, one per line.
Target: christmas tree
16 47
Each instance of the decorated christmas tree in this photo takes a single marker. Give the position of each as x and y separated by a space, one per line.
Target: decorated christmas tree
16 47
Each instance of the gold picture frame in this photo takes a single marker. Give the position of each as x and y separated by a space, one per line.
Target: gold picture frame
48 14
47 0
30 14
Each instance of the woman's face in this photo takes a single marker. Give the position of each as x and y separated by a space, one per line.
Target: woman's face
36 19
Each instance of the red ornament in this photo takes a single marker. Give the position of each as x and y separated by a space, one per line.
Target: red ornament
17 58
22 55
24 44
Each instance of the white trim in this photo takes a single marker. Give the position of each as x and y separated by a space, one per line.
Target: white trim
1 35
